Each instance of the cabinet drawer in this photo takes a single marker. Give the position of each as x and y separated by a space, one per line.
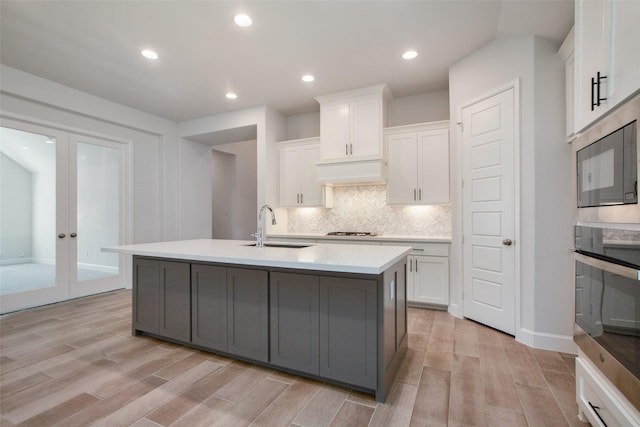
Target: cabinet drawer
419 248
597 399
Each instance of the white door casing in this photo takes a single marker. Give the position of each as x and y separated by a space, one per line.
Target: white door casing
489 208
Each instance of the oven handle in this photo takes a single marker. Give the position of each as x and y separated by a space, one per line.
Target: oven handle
621 270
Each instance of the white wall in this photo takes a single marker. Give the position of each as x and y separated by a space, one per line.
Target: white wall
420 108
15 211
546 299
306 125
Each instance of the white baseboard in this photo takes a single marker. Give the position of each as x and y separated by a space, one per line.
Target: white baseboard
14 261
98 267
545 341
455 310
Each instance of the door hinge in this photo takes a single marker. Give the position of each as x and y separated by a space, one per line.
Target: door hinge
463 295
463 239
461 126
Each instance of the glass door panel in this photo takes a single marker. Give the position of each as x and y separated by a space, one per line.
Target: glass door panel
32 256
98 184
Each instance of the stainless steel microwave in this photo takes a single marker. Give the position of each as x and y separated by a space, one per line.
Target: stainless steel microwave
607 173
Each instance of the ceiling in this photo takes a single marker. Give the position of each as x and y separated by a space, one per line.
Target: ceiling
94 46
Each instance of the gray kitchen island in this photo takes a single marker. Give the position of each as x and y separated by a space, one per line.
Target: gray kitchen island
326 311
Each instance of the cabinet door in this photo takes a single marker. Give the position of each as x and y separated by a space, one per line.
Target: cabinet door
290 176
334 130
625 45
146 295
402 168
295 322
311 192
431 282
248 313
592 26
348 330
366 128
433 169
209 306
175 300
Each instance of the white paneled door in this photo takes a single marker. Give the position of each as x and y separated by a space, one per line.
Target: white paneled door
62 199
488 138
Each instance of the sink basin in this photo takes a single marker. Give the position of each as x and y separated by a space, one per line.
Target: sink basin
283 245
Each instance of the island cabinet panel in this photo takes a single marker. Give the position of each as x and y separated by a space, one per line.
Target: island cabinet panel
175 300
146 295
348 330
295 323
161 303
209 306
248 313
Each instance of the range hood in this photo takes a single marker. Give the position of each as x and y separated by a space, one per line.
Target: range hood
351 172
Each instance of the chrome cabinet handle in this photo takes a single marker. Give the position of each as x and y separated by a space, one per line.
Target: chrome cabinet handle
61 236
301 198
350 148
73 235
298 198
419 193
414 194
346 149
507 242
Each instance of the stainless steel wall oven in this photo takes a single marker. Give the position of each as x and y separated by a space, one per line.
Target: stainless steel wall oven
607 304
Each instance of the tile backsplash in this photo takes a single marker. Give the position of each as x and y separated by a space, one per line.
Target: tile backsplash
362 208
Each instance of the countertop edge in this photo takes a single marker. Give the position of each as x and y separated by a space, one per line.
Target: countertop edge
139 250
381 238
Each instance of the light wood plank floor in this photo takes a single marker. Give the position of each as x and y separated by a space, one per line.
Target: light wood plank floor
76 364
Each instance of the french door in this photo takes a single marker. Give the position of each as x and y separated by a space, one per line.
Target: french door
62 198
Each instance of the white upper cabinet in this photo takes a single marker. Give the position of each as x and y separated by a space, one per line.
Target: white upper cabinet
607 63
418 164
351 123
298 186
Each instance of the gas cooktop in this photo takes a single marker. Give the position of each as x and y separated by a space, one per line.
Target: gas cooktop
352 233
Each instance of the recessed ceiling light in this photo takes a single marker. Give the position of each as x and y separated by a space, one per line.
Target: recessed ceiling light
410 54
231 95
308 78
49 141
25 148
242 20
149 54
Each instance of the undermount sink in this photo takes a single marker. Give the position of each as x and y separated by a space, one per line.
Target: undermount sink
283 245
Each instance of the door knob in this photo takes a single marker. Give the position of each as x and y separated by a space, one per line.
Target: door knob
61 236
507 242
73 235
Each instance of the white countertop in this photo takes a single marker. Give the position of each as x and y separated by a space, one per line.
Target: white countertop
379 238
364 259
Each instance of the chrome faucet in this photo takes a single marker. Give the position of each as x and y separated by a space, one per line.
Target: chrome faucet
260 234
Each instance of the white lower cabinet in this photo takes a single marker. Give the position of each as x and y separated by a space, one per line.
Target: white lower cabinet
599 402
427 273
428 279
427 266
